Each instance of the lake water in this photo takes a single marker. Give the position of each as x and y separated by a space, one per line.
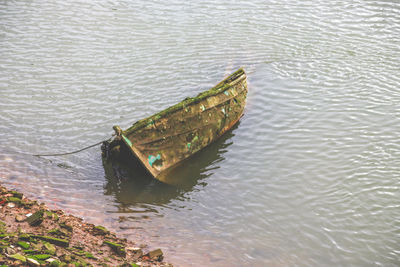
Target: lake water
309 177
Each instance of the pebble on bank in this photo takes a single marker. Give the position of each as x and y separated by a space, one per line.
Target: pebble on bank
33 235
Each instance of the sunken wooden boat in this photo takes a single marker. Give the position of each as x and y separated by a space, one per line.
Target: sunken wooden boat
164 140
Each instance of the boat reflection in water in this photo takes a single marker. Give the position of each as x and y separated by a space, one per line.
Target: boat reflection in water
131 184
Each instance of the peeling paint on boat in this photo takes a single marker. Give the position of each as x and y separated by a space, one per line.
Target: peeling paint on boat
179 131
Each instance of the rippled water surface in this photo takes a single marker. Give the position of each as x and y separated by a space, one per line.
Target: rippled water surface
310 175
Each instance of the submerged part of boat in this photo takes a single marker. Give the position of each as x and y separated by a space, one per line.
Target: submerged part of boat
163 140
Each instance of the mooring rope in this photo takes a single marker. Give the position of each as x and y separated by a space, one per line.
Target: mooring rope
72 152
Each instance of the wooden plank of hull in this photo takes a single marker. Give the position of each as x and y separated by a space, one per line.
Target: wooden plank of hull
163 140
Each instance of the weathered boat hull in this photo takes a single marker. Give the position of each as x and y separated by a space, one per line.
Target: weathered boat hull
167 138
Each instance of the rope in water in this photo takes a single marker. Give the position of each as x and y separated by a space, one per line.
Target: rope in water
72 152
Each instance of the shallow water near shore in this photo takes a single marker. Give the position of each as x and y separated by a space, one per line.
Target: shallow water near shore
310 175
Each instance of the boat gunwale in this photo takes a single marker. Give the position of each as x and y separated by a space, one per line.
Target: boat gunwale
235 77
181 133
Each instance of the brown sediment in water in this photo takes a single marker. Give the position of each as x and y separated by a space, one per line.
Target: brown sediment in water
33 235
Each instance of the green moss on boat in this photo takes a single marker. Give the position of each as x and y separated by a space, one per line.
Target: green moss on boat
167 138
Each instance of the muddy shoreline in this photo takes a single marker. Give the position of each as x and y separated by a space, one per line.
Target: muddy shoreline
33 235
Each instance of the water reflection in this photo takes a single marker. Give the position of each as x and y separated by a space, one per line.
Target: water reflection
131 184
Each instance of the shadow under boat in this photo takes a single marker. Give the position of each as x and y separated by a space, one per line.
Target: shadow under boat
130 182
